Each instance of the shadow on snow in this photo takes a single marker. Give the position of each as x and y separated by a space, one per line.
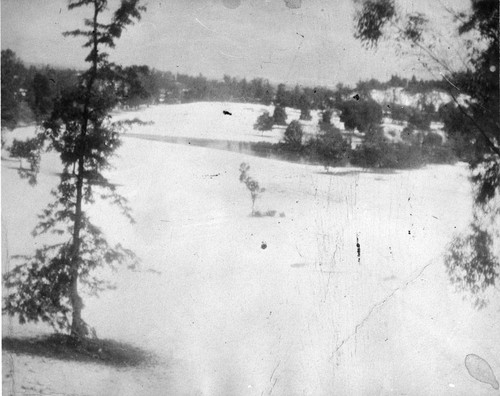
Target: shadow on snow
63 347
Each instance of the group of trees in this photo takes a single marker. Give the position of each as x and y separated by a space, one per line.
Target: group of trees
473 127
412 85
200 88
28 93
330 146
476 122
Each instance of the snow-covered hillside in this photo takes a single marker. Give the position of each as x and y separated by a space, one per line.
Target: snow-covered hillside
402 97
239 305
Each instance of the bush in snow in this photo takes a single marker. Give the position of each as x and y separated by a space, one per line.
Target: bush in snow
264 122
252 185
30 151
293 136
279 115
332 147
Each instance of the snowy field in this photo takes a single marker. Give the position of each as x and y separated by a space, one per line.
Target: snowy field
208 121
239 305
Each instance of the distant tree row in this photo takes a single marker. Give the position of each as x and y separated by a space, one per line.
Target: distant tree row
412 85
229 89
28 93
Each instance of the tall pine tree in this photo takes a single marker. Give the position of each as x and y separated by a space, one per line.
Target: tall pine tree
46 286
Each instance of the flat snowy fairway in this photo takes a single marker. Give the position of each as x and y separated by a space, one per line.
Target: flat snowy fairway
283 305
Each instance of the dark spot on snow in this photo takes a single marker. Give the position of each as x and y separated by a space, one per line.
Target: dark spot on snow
302 37
263 245
225 112
409 232
356 97
358 249
211 176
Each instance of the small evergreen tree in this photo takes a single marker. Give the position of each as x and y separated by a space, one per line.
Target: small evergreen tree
375 151
281 98
12 81
46 286
43 96
361 115
332 147
252 185
264 122
28 150
305 108
305 114
267 95
293 136
279 115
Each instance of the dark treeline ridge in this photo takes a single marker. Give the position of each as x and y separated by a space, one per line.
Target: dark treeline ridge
28 92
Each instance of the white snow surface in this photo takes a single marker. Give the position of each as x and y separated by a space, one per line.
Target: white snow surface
401 96
207 120
303 316
204 120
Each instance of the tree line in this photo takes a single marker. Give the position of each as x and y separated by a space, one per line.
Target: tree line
28 93
362 119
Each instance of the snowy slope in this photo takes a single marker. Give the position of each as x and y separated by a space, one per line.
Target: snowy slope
304 315
206 120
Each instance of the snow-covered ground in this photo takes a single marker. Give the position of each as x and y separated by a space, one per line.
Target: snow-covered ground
207 120
204 121
273 305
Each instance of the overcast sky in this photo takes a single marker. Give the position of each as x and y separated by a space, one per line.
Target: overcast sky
310 45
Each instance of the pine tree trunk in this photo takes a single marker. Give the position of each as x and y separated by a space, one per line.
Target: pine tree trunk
78 329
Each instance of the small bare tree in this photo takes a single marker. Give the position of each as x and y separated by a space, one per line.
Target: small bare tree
252 184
